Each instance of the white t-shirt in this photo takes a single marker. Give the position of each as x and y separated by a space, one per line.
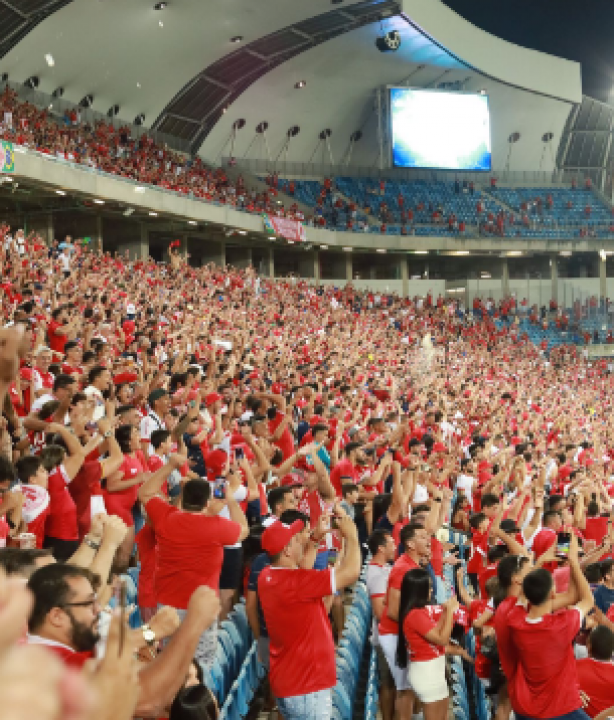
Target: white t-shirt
377 586
466 483
240 494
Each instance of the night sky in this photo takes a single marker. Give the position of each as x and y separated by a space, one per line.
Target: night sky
580 30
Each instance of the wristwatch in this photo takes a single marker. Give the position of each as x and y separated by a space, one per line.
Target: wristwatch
148 635
91 543
107 434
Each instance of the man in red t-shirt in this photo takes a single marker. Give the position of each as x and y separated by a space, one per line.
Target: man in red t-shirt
302 653
416 543
596 672
60 328
346 468
543 682
190 543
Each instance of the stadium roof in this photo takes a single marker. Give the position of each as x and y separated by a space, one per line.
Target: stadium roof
180 69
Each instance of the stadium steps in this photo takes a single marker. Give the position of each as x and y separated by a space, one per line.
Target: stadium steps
371 219
253 182
488 196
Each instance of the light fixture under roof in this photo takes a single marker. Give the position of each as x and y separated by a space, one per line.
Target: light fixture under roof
514 253
192 222
236 39
153 214
323 247
347 249
99 202
381 250
160 5
242 232
565 253
300 84
421 252
139 189
461 252
60 192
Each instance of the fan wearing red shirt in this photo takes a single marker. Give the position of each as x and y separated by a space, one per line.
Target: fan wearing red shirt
552 522
416 543
60 328
190 544
302 652
86 489
346 468
596 672
61 526
424 632
121 486
280 433
543 680
479 524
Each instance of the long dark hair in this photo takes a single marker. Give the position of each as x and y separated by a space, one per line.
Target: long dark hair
415 593
194 703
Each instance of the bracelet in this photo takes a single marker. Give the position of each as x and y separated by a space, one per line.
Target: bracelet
91 543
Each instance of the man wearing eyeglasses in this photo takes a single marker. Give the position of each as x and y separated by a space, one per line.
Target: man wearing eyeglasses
66 612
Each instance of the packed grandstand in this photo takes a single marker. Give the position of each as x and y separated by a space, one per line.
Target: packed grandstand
296 432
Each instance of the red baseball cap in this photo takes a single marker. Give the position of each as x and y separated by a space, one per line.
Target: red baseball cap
291 480
216 463
212 398
277 536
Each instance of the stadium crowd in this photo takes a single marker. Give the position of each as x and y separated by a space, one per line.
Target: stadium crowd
103 147
240 436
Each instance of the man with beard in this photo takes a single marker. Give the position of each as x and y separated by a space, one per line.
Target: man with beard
66 612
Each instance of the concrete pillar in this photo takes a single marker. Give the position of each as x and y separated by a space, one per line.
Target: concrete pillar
554 278
404 275
426 271
97 239
223 253
603 281
316 266
270 263
505 277
142 251
348 266
184 245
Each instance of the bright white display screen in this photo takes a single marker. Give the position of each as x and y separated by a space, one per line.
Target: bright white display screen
439 130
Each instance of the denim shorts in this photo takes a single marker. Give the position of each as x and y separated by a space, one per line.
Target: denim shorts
314 706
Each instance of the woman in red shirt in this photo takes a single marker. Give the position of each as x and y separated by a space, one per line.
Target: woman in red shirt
425 630
121 487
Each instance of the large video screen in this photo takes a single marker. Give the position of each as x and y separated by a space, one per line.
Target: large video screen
439 130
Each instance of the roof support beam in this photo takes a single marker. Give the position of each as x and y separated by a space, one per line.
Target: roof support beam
17 11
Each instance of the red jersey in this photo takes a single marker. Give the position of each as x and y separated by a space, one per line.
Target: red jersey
544 663
190 551
387 626
596 679
62 520
416 626
302 653
120 503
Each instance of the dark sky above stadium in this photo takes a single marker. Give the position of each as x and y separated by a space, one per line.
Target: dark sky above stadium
580 30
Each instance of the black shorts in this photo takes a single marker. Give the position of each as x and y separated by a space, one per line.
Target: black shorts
232 569
62 550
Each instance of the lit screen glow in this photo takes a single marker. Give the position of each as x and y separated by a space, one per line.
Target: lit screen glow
440 130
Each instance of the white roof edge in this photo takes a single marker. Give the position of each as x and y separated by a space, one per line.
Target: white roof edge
521 67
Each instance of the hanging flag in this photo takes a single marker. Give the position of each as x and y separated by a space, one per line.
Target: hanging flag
7 157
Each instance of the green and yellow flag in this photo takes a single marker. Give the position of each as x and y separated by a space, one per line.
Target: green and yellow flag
7 157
